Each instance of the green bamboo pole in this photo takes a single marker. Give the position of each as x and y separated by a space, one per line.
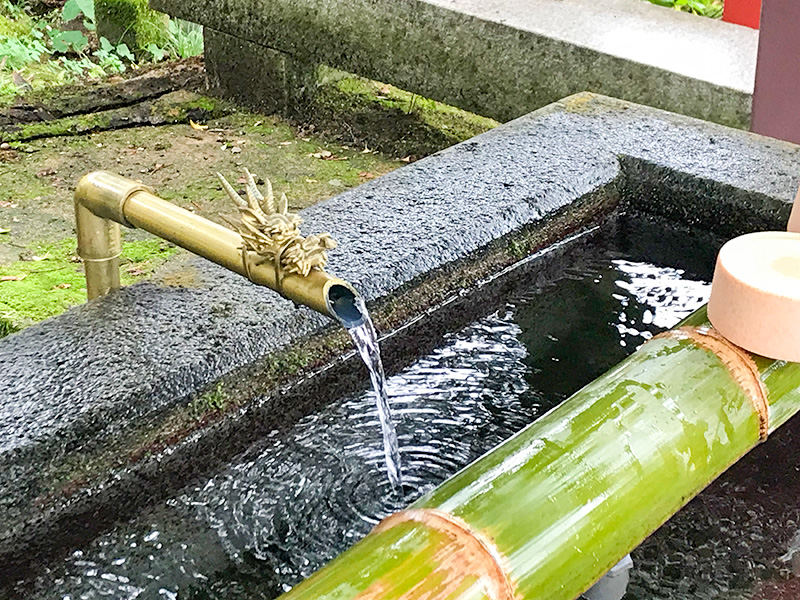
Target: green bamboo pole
548 512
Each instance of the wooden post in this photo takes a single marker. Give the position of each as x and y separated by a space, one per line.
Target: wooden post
742 12
776 99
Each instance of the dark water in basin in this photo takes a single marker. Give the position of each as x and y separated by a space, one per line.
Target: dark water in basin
300 497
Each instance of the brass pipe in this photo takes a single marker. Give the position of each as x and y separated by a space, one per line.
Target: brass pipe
104 200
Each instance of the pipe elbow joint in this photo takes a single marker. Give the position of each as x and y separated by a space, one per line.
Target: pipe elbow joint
105 194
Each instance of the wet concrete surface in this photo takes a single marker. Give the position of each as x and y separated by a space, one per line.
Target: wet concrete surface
83 378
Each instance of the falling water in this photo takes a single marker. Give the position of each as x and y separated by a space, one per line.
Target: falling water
366 341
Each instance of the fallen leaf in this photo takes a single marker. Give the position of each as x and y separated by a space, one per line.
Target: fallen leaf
406 159
321 154
286 143
223 147
41 258
20 81
194 125
2 231
385 90
62 286
46 172
236 149
135 271
311 180
13 277
75 259
366 175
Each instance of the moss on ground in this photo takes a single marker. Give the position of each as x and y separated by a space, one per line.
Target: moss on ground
352 119
50 279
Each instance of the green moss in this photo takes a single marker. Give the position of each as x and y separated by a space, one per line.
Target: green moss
287 364
459 124
22 187
176 107
211 401
57 127
13 26
210 105
388 119
52 279
131 22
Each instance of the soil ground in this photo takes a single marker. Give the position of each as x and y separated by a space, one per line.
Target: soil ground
356 131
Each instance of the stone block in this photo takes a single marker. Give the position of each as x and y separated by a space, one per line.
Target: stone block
256 76
504 58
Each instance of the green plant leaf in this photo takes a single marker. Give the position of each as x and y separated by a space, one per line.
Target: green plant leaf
74 8
87 8
155 51
125 52
71 10
105 45
64 41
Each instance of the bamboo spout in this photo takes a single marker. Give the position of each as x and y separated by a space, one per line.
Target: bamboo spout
104 200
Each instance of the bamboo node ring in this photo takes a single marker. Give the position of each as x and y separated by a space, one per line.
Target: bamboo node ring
739 363
468 553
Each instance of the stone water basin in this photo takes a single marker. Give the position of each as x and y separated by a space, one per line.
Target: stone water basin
297 498
113 481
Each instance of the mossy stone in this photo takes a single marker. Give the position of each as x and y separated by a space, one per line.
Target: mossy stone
131 22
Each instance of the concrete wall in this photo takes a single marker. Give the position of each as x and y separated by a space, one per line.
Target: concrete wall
500 59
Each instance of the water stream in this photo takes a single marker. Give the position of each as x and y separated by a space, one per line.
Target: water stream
366 341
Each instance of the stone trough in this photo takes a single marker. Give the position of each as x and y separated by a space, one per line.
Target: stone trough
120 402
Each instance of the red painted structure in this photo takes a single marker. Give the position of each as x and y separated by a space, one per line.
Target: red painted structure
742 12
776 98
